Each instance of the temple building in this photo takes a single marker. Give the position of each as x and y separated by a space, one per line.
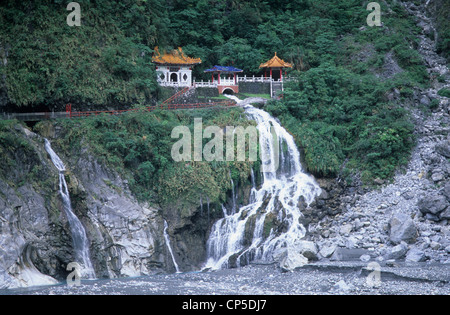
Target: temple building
227 80
174 68
274 68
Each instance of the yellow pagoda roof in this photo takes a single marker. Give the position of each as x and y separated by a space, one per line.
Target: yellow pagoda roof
276 62
175 57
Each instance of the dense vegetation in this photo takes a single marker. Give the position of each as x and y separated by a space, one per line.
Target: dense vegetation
338 108
107 60
342 111
20 163
442 19
138 146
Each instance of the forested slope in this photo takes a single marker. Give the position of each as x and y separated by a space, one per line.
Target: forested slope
348 104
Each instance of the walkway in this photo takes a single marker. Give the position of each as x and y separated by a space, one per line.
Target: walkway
71 114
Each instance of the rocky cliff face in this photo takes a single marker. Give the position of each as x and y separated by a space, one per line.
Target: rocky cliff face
126 237
34 234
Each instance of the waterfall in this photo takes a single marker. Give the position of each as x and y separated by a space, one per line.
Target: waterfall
79 238
247 235
166 237
209 213
233 196
224 210
253 191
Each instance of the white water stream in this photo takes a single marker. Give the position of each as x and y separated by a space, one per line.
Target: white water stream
166 237
79 237
279 196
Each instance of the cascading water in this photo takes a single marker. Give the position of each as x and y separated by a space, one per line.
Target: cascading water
233 196
166 237
254 190
79 238
244 236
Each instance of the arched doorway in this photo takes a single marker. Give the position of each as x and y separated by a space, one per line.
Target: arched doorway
228 91
174 77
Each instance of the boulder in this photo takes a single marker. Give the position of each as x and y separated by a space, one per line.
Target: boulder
415 255
346 229
402 228
397 252
327 250
446 191
443 148
307 249
433 204
424 100
292 260
408 195
437 177
346 254
445 215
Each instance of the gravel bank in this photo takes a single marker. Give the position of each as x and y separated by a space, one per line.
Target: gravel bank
325 278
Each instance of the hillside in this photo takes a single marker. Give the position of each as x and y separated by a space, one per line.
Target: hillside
354 80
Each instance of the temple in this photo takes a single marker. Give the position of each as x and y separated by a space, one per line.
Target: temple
275 68
174 68
227 80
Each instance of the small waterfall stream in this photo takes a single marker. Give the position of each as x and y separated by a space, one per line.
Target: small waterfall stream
166 237
284 183
79 237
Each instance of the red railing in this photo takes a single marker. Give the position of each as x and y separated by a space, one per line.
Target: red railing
175 96
71 114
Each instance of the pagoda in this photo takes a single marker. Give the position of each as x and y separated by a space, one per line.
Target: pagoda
275 66
174 68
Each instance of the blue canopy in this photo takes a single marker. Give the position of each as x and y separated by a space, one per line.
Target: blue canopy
224 69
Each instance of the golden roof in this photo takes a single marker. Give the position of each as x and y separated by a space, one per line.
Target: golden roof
175 57
276 62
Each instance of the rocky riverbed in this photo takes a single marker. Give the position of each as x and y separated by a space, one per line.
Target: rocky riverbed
320 278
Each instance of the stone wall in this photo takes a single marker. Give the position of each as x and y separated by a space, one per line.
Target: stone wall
254 87
207 92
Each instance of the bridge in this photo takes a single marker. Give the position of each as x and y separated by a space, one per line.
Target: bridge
168 104
38 116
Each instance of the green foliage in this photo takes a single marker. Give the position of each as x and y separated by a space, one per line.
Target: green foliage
12 146
442 21
337 110
138 145
434 104
444 92
108 59
105 61
337 115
